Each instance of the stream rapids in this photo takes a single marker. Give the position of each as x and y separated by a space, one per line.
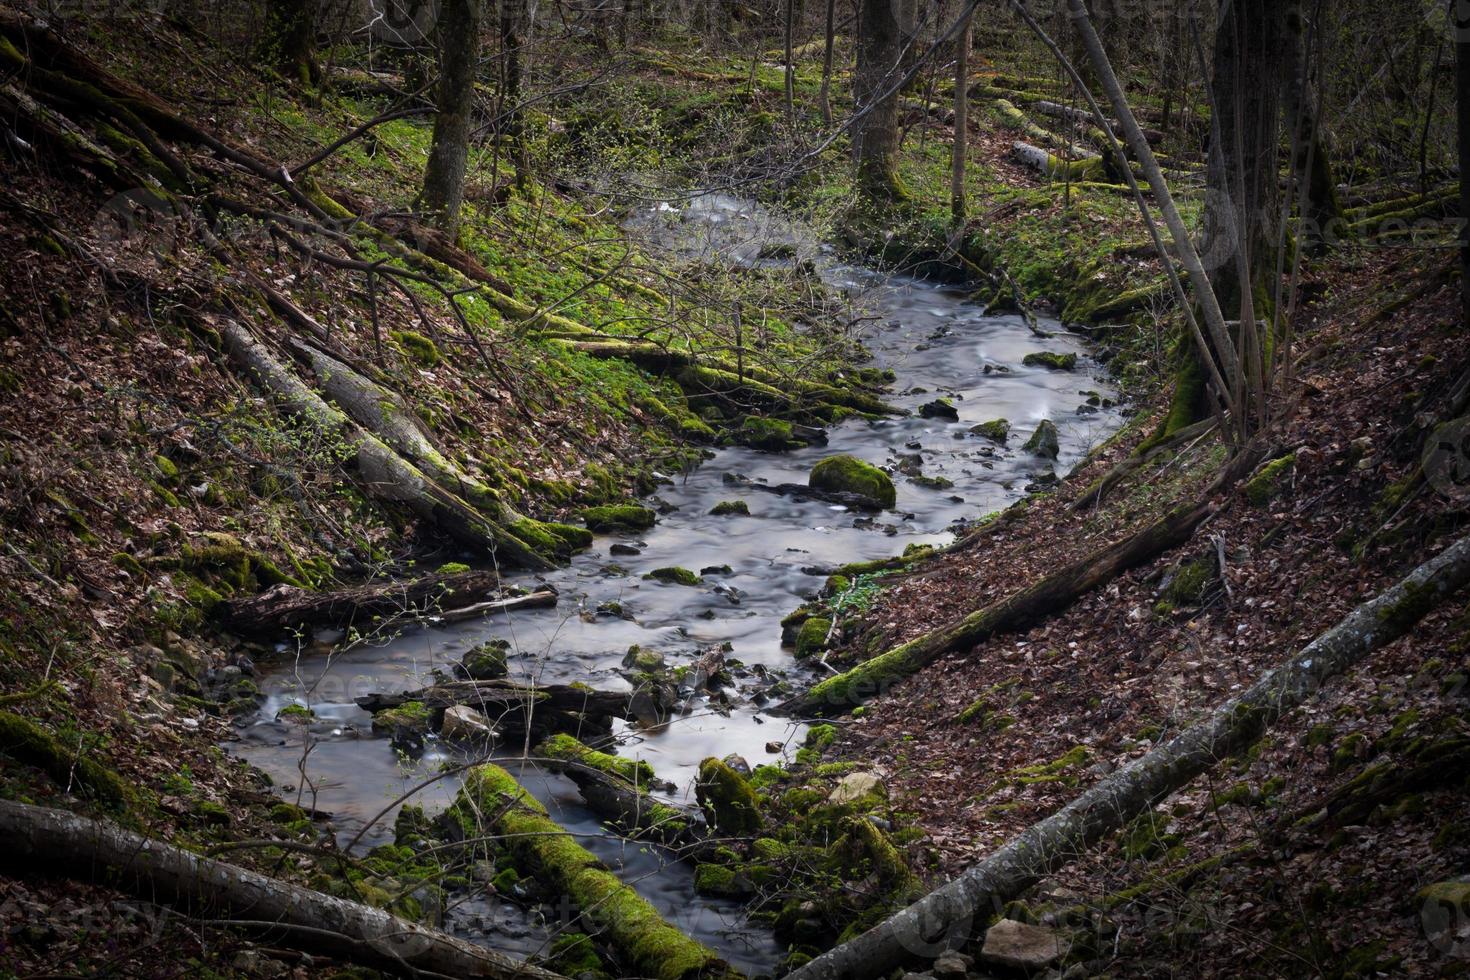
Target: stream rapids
938 342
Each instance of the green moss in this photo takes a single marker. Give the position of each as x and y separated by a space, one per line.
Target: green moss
996 430
418 347
730 508
812 637
26 742
1051 359
618 517
674 575
453 568
721 882
167 470
295 712
574 954
729 802
1266 485
565 748
1045 441
487 661
770 435
1190 582
411 717
848 474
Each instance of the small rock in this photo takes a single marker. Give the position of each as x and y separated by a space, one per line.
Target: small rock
464 724
1044 442
738 763
1024 947
854 786
774 748
619 548
951 964
939 408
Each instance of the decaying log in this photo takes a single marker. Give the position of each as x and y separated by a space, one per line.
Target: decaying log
284 607
631 811
1022 609
384 474
535 600
60 843
944 915
497 695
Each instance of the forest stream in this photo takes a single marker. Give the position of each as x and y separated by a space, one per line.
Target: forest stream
938 342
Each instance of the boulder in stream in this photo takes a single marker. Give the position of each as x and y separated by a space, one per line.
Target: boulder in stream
1044 441
1052 360
996 430
618 517
939 408
848 474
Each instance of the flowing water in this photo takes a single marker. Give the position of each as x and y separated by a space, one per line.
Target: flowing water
938 343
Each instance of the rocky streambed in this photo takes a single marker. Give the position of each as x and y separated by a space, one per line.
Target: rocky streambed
995 409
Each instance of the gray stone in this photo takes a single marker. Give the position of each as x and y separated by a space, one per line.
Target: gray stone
464 724
854 786
951 964
1024 947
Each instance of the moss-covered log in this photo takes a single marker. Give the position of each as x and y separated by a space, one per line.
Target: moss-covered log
385 475
1051 844
1022 609
57 843
609 908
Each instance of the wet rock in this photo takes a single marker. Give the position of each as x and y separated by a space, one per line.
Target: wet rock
1024 947
674 575
738 763
939 408
486 662
933 482
996 430
730 508
1044 441
1052 360
618 518
728 801
774 748
854 786
716 570
464 724
767 435
619 548
850 475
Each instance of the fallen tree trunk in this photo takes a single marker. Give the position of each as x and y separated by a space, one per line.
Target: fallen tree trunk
283 607
944 916
385 475
57 842
1020 610
535 600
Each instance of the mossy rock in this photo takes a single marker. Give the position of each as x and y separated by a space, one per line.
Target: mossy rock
939 408
730 508
768 435
721 881
1051 360
728 801
28 743
613 518
812 636
418 347
1190 582
996 430
409 718
565 748
1272 479
486 662
674 575
574 955
848 474
1045 441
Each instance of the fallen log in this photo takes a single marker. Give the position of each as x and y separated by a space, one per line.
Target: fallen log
1022 609
547 856
947 913
493 695
385 475
284 607
535 600
55 842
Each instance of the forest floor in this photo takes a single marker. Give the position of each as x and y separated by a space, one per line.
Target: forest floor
143 485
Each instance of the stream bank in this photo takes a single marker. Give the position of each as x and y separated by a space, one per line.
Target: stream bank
957 371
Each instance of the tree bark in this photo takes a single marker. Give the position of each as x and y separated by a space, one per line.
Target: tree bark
1321 211
283 607
57 842
512 16
1462 144
875 91
961 125
789 75
944 918
828 43
458 31
289 40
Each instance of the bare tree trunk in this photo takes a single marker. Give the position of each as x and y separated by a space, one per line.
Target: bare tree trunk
1310 160
61 843
788 29
961 125
830 39
511 40
289 41
875 87
458 31
1462 143
943 918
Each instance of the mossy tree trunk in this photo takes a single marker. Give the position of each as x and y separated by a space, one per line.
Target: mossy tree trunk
961 125
946 916
513 30
829 42
875 91
458 33
60 843
289 40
